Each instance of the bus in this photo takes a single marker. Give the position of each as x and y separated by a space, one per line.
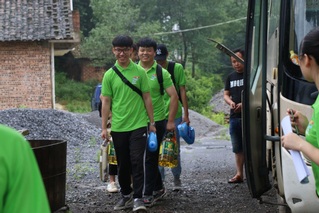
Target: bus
274 83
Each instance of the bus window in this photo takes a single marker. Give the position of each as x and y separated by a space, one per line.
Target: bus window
304 16
274 14
256 39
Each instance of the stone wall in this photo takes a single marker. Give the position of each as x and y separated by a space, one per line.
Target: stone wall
25 75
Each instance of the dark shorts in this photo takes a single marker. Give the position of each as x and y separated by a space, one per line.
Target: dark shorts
235 131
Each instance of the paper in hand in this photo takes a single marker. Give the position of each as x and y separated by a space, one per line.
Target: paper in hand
300 166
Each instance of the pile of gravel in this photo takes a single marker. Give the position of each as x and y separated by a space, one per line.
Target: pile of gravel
83 138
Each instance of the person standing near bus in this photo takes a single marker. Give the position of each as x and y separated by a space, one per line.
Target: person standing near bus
180 86
154 188
130 115
234 85
309 65
21 184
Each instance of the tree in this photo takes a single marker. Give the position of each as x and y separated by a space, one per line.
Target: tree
113 18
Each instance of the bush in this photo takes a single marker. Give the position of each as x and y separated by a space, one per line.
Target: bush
75 96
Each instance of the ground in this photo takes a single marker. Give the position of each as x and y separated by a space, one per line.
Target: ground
207 165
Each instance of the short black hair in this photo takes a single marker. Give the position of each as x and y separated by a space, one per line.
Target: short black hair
122 41
147 42
241 51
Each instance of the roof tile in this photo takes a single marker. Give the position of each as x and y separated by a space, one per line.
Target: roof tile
29 20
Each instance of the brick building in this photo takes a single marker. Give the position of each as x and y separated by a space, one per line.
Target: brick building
32 33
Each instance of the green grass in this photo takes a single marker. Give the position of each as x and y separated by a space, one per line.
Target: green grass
74 95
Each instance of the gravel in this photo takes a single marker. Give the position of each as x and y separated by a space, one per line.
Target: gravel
205 188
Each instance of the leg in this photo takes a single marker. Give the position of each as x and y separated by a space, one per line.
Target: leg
137 148
177 170
240 164
152 175
111 187
235 131
121 145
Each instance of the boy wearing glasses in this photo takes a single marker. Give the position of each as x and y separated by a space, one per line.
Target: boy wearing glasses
130 115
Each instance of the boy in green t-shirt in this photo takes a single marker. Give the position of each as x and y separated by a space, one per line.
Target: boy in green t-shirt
21 185
130 116
154 188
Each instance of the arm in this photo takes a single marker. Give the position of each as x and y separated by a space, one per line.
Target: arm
149 108
182 90
106 109
173 105
294 142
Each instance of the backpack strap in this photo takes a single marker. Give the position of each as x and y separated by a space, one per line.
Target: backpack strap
159 74
170 69
134 88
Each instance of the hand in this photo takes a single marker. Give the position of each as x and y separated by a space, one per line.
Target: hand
232 105
291 141
152 128
170 126
237 108
186 119
298 120
105 134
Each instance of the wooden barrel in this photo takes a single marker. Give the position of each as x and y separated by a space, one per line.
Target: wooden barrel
51 158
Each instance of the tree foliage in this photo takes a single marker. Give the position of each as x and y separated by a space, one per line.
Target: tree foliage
183 25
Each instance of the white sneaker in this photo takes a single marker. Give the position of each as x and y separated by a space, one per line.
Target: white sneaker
111 187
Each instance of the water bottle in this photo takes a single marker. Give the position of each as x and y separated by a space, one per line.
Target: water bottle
111 153
152 142
294 57
168 153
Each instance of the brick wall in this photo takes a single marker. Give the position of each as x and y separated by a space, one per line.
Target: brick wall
90 72
25 75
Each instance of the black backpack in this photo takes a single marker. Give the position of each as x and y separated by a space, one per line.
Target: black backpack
170 69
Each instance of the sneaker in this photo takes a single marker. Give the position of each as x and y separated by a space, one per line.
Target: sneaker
124 203
148 201
111 187
139 205
177 182
159 194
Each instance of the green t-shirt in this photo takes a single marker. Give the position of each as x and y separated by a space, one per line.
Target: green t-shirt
128 109
312 137
180 80
158 102
21 185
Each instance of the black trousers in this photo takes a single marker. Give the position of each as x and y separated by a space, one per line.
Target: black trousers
112 169
130 150
153 179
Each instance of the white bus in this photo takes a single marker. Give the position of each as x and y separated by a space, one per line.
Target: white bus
272 84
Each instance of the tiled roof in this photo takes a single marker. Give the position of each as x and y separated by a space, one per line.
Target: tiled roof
30 20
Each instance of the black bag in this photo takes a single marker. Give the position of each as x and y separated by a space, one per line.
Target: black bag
170 69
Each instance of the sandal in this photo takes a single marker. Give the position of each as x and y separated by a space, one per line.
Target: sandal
235 179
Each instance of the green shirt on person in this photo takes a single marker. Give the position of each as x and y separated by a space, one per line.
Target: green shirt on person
128 109
21 185
180 80
158 102
312 136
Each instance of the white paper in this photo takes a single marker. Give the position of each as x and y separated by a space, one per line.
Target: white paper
300 166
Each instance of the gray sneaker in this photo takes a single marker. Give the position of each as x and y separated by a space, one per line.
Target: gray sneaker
124 203
139 205
159 194
177 182
148 201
